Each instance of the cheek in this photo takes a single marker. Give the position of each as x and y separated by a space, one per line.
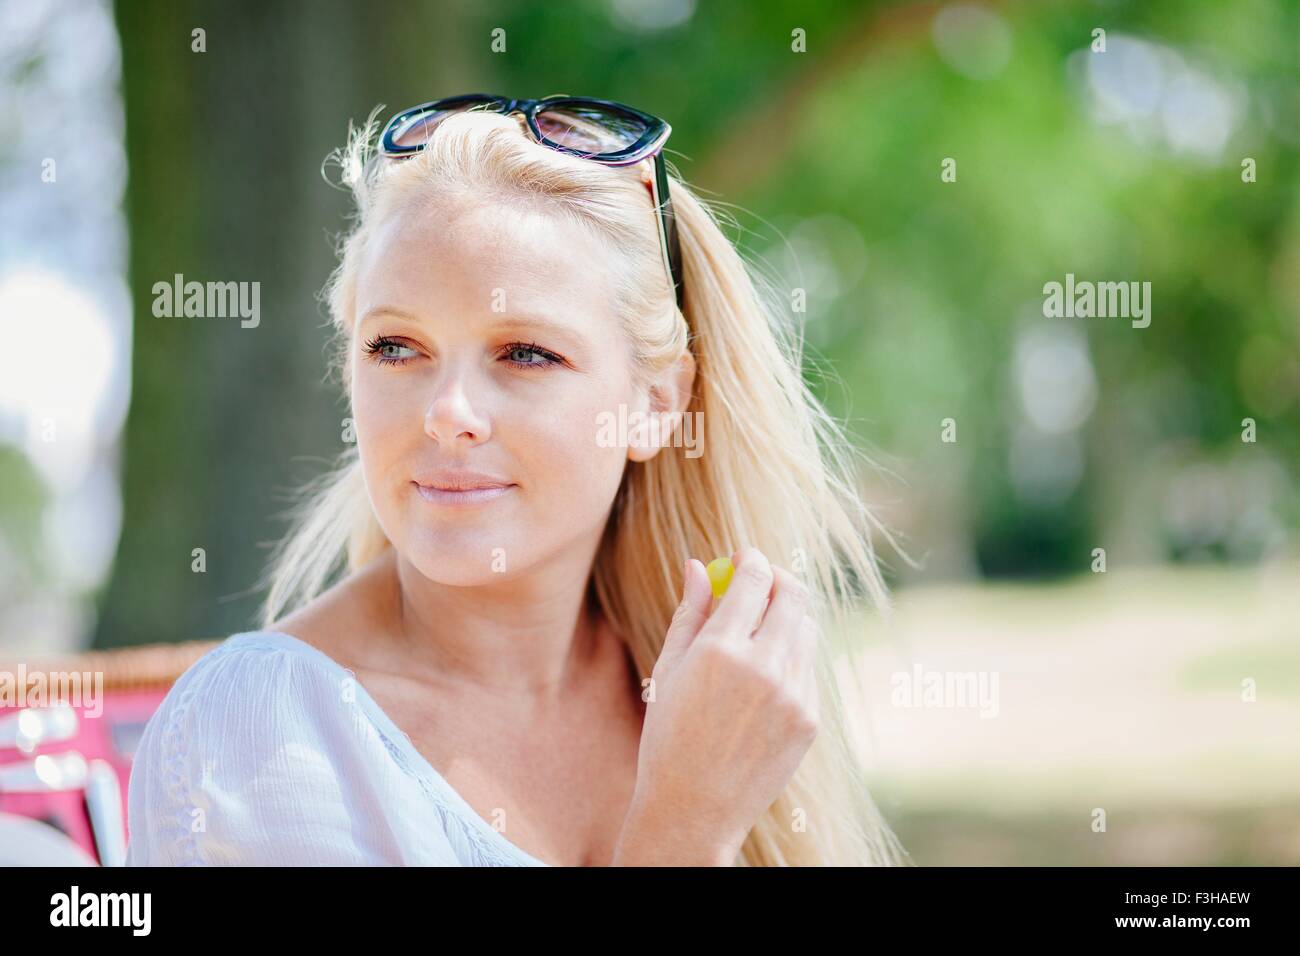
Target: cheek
386 418
562 447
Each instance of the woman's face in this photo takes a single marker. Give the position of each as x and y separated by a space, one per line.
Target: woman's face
486 341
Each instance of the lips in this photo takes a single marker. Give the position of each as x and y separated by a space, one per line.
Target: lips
460 487
459 479
471 496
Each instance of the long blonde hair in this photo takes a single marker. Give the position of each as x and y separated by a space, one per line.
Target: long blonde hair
776 471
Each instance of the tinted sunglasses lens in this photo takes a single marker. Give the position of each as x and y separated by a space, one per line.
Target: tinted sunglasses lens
590 129
416 130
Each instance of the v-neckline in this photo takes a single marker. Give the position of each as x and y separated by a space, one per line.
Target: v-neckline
402 740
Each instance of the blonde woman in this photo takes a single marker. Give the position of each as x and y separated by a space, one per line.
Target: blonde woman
566 393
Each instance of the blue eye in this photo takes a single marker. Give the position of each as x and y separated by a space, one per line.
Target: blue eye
387 351
523 355
518 353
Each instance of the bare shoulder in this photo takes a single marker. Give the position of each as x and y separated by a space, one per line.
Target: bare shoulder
342 616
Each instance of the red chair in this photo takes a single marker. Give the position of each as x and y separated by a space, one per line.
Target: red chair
65 767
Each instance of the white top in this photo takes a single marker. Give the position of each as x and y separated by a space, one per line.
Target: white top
268 752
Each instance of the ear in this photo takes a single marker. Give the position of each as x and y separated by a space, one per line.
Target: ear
669 395
647 168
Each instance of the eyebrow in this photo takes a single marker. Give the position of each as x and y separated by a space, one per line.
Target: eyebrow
513 321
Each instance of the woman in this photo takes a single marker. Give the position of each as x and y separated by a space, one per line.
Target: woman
521 666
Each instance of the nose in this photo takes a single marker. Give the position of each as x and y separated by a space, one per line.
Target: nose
451 419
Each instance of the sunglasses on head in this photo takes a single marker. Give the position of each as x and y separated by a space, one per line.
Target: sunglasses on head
605 132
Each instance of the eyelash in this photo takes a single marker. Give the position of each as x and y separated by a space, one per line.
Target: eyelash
379 342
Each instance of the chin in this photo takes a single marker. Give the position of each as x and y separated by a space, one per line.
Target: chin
460 557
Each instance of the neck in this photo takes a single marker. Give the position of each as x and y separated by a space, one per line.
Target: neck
533 636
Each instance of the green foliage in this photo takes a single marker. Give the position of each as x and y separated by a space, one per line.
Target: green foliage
837 150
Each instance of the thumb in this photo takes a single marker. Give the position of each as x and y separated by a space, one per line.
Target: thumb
691 613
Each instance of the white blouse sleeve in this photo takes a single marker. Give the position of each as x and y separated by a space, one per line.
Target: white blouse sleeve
252 759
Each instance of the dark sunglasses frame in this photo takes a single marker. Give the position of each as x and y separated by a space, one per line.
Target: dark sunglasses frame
650 143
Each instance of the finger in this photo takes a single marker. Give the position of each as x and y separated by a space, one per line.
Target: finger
741 608
692 612
778 634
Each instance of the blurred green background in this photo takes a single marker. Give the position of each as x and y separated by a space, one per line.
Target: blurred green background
823 132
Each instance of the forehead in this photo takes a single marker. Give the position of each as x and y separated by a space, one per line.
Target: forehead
473 258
